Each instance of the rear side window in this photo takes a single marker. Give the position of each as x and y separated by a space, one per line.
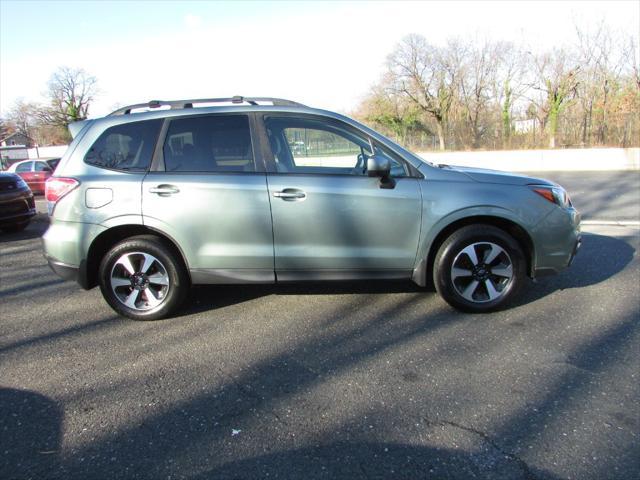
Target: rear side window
219 143
127 147
24 167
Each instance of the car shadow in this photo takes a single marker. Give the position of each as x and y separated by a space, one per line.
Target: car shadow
379 460
600 258
31 426
202 298
590 267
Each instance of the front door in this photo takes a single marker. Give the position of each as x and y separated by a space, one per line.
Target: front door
209 196
330 220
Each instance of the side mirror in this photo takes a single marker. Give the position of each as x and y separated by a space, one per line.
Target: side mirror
378 166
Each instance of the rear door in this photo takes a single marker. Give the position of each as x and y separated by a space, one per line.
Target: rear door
207 190
331 220
25 170
41 171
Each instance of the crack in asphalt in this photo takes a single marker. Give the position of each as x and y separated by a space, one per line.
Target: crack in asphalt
528 474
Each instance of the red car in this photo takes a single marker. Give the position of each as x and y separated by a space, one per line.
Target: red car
34 172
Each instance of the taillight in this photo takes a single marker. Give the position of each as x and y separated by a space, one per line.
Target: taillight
56 188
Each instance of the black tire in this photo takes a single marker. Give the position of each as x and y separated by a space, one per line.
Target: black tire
15 227
481 239
166 264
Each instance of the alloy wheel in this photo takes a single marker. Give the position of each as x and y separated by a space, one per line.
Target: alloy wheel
481 272
139 281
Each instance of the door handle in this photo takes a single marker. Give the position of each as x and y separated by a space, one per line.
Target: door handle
164 190
290 194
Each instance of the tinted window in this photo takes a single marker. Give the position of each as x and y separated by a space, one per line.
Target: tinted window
41 167
209 144
53 163
302 145
125 147
24 167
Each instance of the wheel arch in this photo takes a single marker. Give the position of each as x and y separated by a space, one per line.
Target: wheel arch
422 272
107 239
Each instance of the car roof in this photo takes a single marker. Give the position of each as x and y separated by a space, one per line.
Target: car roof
242 105
19 162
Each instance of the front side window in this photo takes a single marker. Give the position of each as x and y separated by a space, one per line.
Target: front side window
41 167
219 143
127 147
304 145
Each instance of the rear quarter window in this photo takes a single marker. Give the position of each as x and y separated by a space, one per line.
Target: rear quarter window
126 147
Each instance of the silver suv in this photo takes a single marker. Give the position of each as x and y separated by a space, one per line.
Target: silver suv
155 197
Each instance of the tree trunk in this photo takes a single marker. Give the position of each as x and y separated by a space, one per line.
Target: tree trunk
440 130
553 127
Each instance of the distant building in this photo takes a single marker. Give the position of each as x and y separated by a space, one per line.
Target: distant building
13 148
526 126
17 139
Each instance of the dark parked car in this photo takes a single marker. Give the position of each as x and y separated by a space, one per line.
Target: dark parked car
34 172
16 203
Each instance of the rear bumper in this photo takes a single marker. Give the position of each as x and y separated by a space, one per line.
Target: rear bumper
64 271
66 245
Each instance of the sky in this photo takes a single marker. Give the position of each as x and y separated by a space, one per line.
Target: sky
324 54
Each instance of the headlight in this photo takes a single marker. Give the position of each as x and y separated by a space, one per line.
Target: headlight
557 195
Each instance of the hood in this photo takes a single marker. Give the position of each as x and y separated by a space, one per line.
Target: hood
496 176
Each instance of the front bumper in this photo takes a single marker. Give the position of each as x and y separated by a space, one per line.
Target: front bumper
17 207
557 240
575 250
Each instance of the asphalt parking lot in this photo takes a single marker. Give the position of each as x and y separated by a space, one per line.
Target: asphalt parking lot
373 380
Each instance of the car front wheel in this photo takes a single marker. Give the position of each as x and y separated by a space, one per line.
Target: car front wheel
141 278
479 268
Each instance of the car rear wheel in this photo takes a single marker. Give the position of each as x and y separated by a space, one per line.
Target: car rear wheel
479 268
141 278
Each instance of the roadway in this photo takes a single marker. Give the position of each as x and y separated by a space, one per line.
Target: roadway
373 380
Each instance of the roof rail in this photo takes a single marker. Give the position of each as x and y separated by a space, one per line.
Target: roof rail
178 104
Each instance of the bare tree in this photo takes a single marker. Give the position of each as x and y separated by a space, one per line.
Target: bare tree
478 62
508 87
556 81
5 129
476 94
70 93
392 111
421 72
23 117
